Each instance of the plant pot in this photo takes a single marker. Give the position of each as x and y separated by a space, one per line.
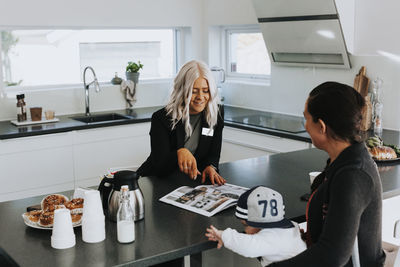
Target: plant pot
132 76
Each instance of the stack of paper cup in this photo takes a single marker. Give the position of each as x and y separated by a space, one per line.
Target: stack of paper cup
63 234
313 175
93 224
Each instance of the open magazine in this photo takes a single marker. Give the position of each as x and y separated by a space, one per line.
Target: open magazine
206 200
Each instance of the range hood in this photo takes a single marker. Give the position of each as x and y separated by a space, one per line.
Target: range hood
302 32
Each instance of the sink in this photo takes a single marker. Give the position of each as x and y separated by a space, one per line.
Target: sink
101 118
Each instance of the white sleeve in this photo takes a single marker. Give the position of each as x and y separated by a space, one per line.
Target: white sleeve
251 246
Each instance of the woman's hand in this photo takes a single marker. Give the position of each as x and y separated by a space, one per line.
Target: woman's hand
187 163
213 175
214 234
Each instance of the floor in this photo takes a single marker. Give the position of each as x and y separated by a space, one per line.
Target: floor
225 257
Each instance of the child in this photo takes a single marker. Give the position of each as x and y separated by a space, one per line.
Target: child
268 234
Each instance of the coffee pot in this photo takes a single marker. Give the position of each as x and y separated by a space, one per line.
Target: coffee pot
110 193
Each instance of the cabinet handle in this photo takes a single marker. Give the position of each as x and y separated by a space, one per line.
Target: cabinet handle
396 232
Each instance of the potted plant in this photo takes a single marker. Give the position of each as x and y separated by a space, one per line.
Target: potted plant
132 71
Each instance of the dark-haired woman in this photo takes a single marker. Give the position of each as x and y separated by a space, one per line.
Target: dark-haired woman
345 207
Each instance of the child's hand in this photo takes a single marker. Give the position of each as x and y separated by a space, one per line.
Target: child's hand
214 234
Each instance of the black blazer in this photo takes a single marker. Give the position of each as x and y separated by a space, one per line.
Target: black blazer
165 142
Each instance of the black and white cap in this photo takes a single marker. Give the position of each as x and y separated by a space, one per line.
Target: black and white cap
262 207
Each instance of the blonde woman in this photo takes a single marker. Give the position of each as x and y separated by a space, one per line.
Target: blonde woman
186 135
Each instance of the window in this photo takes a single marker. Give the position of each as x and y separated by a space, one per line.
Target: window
56 57
247 55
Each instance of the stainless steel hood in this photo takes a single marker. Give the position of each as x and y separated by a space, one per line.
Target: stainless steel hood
302 32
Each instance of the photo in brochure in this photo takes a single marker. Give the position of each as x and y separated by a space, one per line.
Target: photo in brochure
206 200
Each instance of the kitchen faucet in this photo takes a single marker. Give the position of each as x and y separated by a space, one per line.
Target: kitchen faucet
86 86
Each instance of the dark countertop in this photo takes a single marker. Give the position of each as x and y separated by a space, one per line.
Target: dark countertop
281 125
252 120
66 123
241 118
168 232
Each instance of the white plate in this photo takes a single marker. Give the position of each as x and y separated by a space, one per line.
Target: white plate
37 226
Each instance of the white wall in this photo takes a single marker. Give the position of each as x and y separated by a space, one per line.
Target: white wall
374 29
72 101
104 13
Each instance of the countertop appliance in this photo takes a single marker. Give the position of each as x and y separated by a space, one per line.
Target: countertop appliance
110 192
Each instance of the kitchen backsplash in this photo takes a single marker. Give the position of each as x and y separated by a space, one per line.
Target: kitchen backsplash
72 101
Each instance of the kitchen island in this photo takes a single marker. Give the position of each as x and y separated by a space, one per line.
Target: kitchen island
168 232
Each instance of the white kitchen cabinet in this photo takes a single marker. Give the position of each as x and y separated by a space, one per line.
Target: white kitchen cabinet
97 150
391 215
241 144
35 165
56 162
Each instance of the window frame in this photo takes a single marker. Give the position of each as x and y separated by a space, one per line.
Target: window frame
226 32
178 39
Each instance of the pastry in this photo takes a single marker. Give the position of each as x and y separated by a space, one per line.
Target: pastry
50 200
34 215
76 203
382 153
76 217
46 219
52 208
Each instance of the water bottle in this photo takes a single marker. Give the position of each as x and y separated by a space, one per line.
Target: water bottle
125 218
378 106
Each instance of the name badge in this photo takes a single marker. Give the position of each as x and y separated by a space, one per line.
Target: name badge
207 132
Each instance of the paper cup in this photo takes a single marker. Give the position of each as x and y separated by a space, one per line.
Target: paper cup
313 175
63 233
93 231
93 207
93 220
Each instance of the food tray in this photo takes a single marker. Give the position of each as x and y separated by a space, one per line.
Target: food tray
30 122
387 160
37 226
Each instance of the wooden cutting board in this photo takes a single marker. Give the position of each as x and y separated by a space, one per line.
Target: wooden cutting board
361 82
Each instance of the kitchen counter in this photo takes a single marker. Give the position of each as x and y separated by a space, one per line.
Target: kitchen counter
66 123
168 232
276 124
263 122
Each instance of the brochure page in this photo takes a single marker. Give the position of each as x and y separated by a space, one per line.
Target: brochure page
206 200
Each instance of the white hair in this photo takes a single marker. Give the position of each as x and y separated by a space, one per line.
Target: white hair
179 101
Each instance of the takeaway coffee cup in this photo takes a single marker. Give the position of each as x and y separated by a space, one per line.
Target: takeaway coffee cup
313 175
63 233
93 220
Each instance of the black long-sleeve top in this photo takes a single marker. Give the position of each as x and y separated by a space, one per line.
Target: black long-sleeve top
347 203
165 142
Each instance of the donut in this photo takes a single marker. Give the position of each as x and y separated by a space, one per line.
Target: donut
46 219
55 199
76 203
